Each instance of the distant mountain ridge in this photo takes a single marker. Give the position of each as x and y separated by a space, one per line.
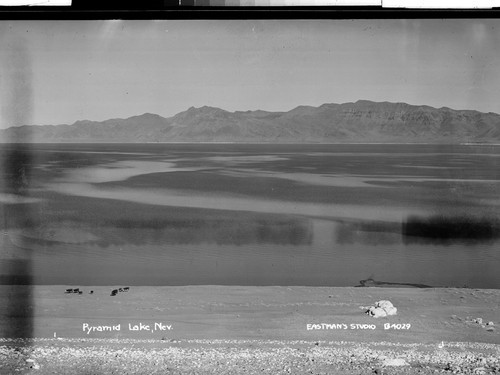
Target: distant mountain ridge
360 122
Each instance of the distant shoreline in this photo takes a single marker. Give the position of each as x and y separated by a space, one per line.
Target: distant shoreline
262 143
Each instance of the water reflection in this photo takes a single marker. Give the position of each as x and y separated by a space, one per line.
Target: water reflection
373 233
437 230
447 230
199 199
120 171
170 231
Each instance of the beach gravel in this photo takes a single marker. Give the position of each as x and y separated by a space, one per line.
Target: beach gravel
127 356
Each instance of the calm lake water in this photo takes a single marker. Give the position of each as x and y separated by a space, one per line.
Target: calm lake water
178 214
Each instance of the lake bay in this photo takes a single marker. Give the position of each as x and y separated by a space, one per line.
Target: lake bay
250 214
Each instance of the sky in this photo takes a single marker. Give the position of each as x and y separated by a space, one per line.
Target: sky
58 72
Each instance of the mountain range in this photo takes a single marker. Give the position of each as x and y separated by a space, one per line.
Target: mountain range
360 122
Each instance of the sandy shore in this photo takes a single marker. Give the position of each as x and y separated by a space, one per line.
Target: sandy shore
250 330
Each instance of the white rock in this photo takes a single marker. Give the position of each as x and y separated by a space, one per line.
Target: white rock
384 304
391 310
381 309
377 312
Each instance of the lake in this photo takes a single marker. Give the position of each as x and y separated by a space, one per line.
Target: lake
250 214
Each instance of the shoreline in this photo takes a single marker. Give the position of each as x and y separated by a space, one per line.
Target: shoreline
212 312
265 143
249 330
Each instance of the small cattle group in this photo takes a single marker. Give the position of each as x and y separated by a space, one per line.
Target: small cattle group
77 291
114 292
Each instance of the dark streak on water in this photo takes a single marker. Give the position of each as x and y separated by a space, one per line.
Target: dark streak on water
373 283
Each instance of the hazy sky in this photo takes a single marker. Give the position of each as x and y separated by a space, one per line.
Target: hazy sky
60 72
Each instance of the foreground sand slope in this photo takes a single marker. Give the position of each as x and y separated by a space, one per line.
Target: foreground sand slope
232 329
233 312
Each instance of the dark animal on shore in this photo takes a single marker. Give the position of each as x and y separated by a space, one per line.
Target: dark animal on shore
126 289
114 292
77 290
69 291
80 292
120 290
91 292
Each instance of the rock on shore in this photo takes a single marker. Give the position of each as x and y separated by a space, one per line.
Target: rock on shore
382 309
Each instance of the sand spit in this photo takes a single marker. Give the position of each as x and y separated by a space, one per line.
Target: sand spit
128 356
